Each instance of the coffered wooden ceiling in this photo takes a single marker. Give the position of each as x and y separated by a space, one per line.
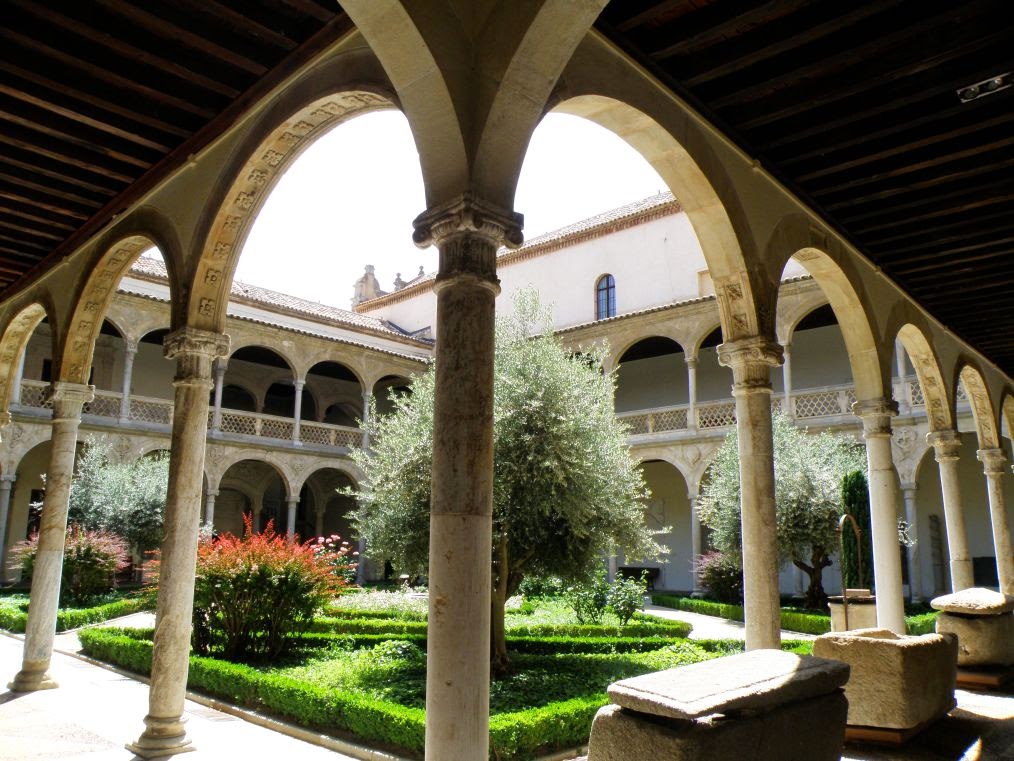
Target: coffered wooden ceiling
853 105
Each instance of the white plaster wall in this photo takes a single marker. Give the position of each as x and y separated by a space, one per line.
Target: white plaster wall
819 358
153 373
655 382
29 477
669 507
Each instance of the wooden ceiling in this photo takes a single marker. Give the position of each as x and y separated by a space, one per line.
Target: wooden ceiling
101 99
854 106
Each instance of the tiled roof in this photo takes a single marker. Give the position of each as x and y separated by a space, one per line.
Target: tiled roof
155 268
606 222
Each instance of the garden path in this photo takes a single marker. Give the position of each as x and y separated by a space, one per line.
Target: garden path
710 627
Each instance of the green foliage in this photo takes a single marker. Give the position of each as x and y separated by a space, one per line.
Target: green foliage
252 593
90 562
589 599
923 623
626 597
721 573
808 475
124 498
565 491
14 612
855 497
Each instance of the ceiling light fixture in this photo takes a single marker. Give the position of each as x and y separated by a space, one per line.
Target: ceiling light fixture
986 87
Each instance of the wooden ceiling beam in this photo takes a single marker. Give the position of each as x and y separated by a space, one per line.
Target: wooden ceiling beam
57 152
11 175
31 232
54 171
20 203
241 22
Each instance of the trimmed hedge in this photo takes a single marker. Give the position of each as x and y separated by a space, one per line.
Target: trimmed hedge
792 620
15 620
394 627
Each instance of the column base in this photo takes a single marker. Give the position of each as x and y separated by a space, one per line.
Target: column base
162 737
34 675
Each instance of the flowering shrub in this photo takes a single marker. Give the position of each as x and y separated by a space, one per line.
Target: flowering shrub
339 554
589 600
720 573
626 596
90 562
252 593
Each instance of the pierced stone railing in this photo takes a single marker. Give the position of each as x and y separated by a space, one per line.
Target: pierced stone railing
825 402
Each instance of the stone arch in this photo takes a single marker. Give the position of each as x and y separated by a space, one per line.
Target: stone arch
324 356
616 353
217 469
924 359
853 320
254 343
13 340
1007 413
265 160
790 315
698 341
739 312
986 428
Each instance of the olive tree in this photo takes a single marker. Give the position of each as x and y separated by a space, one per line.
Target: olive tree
808 500
566 492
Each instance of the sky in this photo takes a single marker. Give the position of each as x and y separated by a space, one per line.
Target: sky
350 198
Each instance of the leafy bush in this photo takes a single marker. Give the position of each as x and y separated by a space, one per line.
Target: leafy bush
589 600
722 575
339 555
14 613
541 586
924 623
90 562
626 596
252 593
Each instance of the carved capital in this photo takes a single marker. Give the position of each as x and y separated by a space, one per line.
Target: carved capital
68 399
876 415
467 214
993 461
7 480
129 346
691 362
751 360
946 444
194 351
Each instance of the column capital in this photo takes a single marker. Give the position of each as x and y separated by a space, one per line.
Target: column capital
292 501
468 214
299 382
946 444
194 351
129 346
211 493
7 480
751 360
691 361
68 399
876 415
909 488
993 461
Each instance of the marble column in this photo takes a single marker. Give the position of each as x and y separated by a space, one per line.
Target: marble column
947 448
691 392
292 503
129 353
467 231
209 508
751 360
876 415
695 541
993 462
194 351
216 419
6 486
297 412
67 398
908 493
367 401
787 381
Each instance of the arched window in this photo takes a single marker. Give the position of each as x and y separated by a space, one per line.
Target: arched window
605 297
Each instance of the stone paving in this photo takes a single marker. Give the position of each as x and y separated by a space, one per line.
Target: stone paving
95 711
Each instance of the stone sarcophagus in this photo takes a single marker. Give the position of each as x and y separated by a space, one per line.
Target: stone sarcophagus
765 704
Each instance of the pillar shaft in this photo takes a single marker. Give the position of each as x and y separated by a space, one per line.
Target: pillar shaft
367 401
68 398
297 412
876 416
216 421
292 504
947 446
194 351
209 508
318 522
908 493
6 485
695 541
787 381
993 462
751 361
129 353
691 393
467 232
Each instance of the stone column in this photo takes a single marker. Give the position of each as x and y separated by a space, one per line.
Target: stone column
68 398
691 392
6 485
255 512
751 360
209 508
361 563
695 541
908 492
367 401
947 447
194 351
876 415
129 352
467 232
993 461
216 421
297 411
292 503
318 521
787 381
611 568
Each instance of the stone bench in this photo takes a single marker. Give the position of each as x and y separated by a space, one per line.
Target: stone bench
983 622
899 684
766 705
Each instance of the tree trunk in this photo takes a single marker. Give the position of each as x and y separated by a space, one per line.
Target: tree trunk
816 597
498 660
